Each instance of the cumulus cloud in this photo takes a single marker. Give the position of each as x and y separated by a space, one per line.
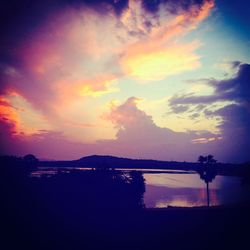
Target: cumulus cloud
137 132
134 125
137 137
75 54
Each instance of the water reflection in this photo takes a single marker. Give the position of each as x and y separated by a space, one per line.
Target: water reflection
165 190
207 174
159 196
169 188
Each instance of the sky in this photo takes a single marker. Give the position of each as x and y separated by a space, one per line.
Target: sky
165 80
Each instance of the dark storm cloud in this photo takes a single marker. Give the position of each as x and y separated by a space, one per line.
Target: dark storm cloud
234 127
191 99
234 118
235 64
173 5
237 88
233 89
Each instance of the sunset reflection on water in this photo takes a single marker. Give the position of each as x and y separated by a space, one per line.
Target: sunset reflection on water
188 190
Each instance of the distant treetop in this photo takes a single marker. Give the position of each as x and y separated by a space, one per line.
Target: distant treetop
209 159
30 158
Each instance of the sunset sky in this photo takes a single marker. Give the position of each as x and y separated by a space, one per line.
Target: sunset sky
166 80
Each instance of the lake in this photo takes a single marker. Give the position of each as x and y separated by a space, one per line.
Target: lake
164 188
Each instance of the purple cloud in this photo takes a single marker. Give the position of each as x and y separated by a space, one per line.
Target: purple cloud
233 89
137 137
235 118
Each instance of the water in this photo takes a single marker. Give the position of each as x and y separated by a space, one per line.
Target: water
188 190
164 188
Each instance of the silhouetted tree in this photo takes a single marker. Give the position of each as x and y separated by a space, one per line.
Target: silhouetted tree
30 161
209 159
30 158
207 173
202 159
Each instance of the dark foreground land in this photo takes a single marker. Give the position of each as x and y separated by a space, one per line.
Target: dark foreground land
163 229
104 210
224 228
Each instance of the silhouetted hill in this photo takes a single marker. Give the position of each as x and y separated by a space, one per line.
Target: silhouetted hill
110 162
106 161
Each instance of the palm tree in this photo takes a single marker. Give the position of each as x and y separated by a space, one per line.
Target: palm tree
202 159
206 172
210 159
208 177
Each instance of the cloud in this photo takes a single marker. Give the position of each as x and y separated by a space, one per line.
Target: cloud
83 51
234 117
235 64
159 52
137 132
152 64
80 51
44 144
234 128
235 89
137 137
179 108
70 55
134 125
9 117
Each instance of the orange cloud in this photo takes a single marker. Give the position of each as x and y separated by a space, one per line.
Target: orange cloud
93 87
9 115
69 58
158 53
204 11
206 140
78 54
17 111
156 65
